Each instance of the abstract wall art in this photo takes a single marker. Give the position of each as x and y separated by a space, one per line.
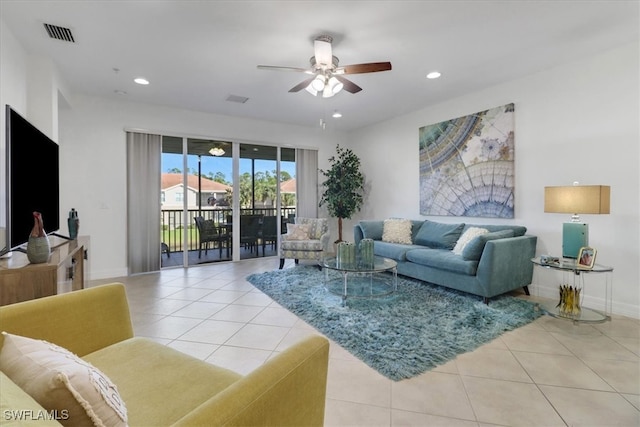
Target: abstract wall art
467 165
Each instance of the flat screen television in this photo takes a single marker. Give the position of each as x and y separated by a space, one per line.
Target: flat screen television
32 180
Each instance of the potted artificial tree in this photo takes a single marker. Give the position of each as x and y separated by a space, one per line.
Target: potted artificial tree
343 187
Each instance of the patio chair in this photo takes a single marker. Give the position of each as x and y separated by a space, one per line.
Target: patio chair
250 231
209 233
269 232
294 245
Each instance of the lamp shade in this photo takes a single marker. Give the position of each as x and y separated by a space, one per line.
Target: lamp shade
577 199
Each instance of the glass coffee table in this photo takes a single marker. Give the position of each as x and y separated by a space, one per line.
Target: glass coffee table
359 280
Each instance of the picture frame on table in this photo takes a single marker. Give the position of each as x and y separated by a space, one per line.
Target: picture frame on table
586 257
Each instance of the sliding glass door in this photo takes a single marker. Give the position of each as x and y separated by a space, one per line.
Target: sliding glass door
205 218
196 196
262 172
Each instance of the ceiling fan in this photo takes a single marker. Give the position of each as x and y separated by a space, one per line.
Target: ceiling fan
327 76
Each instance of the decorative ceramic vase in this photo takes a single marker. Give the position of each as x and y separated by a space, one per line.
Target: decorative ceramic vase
38 247
346 255
366 252
74 224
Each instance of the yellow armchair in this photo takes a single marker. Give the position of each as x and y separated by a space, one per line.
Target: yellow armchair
162 386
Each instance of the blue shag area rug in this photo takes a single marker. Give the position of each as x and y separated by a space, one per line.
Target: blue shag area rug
401 335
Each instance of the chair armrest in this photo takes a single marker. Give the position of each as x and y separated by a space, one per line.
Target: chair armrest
288 390
358 235
81 321
372 229
325 241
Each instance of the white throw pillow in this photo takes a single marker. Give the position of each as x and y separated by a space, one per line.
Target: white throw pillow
78 392
395 230
298 231
467 237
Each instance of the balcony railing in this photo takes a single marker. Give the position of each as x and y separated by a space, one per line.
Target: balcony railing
172 223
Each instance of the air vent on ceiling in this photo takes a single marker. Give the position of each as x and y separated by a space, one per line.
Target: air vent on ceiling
236 98
59 33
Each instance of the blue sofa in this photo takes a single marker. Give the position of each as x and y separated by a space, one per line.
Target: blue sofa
490 264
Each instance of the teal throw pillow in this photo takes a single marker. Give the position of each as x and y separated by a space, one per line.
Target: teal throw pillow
473 250
438 235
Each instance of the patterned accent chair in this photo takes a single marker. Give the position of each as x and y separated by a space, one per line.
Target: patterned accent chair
314 247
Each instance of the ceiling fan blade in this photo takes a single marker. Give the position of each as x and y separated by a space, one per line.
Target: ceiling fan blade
276 68
349 86
322 49
302 85
371 67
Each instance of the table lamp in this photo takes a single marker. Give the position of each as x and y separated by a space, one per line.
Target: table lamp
576 199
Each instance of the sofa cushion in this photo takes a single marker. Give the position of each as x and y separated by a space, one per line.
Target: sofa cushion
439 235
473 251
160 384
301 245
442 259
469 234
297 232
397 230
60 381
17 408
395 251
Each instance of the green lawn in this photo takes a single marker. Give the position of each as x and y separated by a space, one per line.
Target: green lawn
173 238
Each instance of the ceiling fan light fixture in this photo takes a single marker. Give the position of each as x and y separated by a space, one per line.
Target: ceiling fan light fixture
335 85
216 151
326 75
318 83
327 92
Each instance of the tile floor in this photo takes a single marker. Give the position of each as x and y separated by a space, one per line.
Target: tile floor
548 373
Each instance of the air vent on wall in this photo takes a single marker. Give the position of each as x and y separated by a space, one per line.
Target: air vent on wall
59 33
237 98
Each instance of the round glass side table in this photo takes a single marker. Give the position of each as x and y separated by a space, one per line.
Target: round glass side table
584 314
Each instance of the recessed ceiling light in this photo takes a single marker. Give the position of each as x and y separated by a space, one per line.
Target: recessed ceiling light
336 114
141 81
433 75
120 92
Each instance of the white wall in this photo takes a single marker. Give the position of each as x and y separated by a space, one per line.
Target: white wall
577 122
93 161
574 122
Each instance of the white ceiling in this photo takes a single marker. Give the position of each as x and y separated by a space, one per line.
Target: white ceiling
198 53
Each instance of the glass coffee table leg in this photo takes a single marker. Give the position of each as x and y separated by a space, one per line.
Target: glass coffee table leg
344 292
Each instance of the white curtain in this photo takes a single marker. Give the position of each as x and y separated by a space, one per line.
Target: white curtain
143 202
307 183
